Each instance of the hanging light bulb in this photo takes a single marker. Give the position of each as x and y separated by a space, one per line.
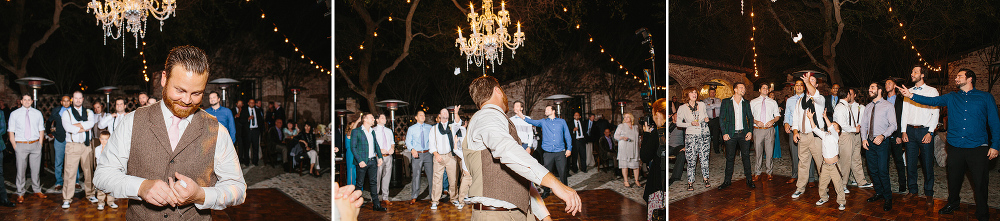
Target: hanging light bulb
348 57
304 57
338 66
390 18
612 59
564 9
275 29
602 50
286 40
376 34
577 26
310 62
262 15
591 39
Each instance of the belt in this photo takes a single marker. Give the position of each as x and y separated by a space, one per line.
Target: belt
852 133
422 151
28 142
386 155
480 206
916 126
763 128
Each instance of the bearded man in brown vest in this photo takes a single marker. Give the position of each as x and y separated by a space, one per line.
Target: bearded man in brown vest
170 159
493 152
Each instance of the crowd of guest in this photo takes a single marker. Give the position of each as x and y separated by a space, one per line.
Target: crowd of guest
834 136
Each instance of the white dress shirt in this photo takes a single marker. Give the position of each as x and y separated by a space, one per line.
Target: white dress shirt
110 175
73 133
371 140
488 129
384 137
764 109
714 105
253 113
438 142
831 146
738 113
915 114
524 131
819 103
579 129
18 124
848 115
110 122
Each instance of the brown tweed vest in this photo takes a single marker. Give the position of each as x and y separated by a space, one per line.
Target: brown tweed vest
152 158
503 183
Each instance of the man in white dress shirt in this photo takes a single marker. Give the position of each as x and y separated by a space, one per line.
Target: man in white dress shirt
765 115
78 122
111 120
524 129
387 144
502 172
714 109
810 146
847 113
918 123
156 151
26 129
442 144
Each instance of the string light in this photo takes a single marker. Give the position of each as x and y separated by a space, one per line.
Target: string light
753 35
295 47
912 45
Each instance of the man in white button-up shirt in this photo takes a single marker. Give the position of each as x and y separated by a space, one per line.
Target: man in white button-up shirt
26 128
387 144
917 124
810 146
490 133
78 122
847 113
765 115
442 144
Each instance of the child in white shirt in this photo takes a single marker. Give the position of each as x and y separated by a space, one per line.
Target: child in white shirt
830 171
102 197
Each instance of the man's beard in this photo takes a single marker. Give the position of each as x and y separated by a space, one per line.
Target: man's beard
180 113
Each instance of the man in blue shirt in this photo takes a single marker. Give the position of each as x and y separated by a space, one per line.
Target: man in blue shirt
223 114
792 143
556 142
973 139
417 142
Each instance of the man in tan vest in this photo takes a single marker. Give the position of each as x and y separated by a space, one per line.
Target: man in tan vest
493 152
170 159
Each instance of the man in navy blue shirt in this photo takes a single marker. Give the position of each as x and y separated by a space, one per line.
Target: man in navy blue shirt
556 142
973 139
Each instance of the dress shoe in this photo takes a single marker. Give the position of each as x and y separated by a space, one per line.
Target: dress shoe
7 203
770 177
948 209
874 198
413 201
379 208
386 202
78 186
750 185
812 184
888 205
755 177
791 180
20 199
58 188
41 195
725 184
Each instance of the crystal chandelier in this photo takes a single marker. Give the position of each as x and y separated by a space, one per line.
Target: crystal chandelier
130 15
489 36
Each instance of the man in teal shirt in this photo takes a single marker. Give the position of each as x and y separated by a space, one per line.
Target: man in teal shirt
223 114
555 141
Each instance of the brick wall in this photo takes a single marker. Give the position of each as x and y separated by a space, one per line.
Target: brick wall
694 76
973 62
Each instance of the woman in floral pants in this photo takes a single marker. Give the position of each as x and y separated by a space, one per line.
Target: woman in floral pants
693 118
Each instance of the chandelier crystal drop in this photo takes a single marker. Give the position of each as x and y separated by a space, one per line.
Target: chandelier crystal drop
489 36
114 16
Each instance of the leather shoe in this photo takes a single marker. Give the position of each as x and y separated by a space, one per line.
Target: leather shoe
20 199
750 185
58 188
78 186
888 205
948 209
413 201
41 195
725 184
755 177
378 208
386 202
7 203
792 180
876 197
812 184
770 177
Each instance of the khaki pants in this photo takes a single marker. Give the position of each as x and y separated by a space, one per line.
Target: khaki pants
763 142
104 198
831 172
850 158
483 215
78 155
810 151
384 174
463 189
448 164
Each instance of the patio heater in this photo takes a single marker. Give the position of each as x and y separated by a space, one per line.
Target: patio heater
295 102
621 105
107 96
35 83
558 98
223 84
392 105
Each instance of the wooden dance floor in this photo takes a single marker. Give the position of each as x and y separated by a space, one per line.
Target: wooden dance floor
260 204
772 200
597 205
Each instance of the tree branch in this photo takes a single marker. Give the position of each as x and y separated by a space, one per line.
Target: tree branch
45 37
350 83
406 46
460 7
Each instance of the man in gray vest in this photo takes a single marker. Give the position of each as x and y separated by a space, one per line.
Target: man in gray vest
493 152
172 160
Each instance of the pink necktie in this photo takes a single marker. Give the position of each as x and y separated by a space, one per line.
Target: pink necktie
29 120
173 132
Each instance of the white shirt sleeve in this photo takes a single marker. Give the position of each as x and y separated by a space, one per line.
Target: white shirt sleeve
495 135
231 188
432 140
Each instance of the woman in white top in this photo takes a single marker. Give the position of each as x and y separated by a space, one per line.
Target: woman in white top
628 148
693 118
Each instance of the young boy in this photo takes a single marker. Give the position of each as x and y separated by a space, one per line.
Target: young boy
830 170
103 197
